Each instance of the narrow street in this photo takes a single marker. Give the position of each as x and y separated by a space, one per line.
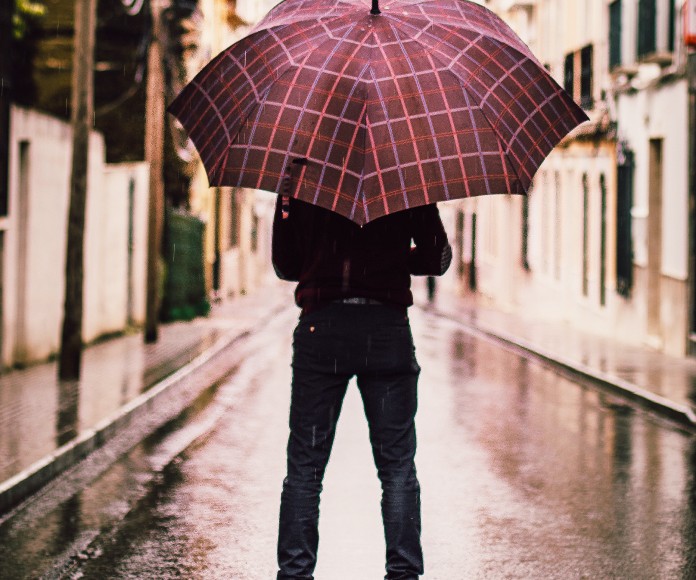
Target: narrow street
524 474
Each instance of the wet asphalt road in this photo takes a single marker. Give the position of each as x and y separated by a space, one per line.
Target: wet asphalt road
524 474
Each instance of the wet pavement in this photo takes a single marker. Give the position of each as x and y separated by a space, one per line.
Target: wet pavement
39 414
636 367
524 474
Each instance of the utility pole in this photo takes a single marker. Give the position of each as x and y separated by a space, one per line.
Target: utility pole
6 12
689 46
82 119
691 76
154 154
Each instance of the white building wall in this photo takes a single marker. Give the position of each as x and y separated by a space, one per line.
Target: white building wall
653 105
553 285
660 113
35 240
34 252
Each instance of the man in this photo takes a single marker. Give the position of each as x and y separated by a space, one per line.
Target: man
354 291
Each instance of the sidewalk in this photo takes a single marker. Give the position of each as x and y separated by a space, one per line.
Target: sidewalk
46 426
665 384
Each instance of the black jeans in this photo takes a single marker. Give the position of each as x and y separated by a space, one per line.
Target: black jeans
331 345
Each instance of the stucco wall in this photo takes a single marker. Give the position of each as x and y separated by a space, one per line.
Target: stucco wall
660 113
35 239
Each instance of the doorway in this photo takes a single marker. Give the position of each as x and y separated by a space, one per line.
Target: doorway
654 274
21 339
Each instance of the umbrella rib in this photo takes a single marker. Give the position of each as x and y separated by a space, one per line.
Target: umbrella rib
465 90
520 125
430 120
281 108
214 108
505 47
259 110
261 103
345 107
393 142
496 28
454 130
407 118
360 193
549 99
350 147
447 66
319 73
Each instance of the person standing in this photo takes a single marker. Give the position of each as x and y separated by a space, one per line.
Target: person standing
354 291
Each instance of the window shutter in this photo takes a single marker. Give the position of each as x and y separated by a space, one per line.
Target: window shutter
569 73
586 100
647 27
615 11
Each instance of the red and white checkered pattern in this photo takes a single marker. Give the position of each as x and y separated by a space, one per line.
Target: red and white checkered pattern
371 114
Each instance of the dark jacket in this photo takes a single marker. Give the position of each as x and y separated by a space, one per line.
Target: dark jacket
331 257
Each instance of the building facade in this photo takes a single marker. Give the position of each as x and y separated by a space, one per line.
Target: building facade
238 220
33 240
602 240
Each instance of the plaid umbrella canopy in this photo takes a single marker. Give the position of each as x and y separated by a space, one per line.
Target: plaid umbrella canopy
367 111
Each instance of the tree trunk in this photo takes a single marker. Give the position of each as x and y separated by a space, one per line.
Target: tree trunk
82 118
6 11
154 154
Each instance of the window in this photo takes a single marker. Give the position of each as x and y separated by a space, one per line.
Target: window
586 101
656 31
460 244
254 232
615 14
472 265
577 76
235 209
603 243
557 227
672 28
525 232
569 73
624 235
647 30
585 235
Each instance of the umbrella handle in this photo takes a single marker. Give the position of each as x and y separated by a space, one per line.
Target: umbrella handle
375 8
285 197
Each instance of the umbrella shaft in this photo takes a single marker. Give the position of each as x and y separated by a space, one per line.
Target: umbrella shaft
375 7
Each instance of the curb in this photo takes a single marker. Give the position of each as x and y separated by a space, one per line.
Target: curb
680 413
164 457
143 408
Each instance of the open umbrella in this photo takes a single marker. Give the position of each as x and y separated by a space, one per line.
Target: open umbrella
368 110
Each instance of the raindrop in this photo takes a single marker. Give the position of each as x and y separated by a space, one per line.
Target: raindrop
314 437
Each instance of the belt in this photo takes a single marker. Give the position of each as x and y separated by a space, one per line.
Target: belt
359 300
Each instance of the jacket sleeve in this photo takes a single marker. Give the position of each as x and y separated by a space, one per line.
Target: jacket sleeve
285 249
432 254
